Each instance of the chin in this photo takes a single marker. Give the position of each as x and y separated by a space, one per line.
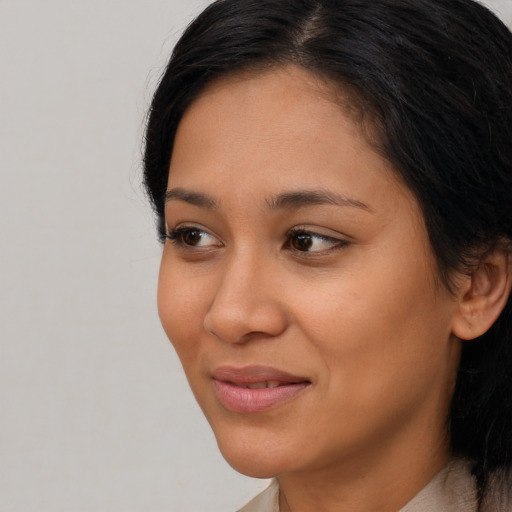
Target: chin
254 458
254 466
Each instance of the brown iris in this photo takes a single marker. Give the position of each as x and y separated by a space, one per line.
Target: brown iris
191 236
302 242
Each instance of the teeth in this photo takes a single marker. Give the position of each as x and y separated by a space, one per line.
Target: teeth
266 384
257 385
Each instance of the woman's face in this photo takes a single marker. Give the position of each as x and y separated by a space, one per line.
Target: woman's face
298 285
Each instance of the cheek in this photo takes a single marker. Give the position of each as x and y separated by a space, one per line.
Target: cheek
378 327
181 306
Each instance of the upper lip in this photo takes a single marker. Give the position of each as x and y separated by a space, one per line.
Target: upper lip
253 374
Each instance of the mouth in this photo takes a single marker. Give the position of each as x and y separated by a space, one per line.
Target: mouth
256 388
260 385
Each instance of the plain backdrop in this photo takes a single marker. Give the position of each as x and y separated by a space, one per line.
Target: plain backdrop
95 414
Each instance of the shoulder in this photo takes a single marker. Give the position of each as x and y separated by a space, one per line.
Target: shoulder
498 493
267 501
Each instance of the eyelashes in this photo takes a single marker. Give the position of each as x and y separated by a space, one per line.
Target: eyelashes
299 240
192 236
303 240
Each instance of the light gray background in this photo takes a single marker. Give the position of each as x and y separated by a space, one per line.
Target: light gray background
96 415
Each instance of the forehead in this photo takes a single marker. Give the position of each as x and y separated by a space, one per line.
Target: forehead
292 88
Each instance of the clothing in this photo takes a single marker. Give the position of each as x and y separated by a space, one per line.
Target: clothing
453 489
267 501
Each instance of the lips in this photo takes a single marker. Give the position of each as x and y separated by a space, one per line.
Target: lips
256 388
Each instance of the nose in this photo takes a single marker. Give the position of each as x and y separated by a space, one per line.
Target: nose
246 303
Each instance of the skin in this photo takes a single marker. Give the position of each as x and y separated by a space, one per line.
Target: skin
360 313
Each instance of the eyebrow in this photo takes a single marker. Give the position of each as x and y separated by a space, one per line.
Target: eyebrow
286 200
303 198
188 196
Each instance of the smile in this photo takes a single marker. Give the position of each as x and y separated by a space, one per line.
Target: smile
256 388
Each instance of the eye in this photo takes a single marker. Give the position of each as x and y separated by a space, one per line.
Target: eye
192 236
302 240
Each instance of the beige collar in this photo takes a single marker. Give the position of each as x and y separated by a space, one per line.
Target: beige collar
452 489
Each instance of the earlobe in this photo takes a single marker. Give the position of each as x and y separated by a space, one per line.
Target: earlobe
483 295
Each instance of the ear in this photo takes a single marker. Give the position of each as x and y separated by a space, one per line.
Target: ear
483 295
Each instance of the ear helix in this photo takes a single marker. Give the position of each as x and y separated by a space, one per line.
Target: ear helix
484 295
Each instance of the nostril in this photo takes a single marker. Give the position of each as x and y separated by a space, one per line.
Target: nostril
240 323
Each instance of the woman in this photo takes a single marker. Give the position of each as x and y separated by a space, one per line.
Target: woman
333 182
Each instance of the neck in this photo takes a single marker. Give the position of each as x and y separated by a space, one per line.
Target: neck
384 482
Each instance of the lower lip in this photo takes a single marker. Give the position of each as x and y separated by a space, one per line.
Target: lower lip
239 399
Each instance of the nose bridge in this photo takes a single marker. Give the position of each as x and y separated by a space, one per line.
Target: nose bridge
246 300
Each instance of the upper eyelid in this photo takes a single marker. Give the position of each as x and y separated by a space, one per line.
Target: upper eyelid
318 233
313 233
185 228
187 225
